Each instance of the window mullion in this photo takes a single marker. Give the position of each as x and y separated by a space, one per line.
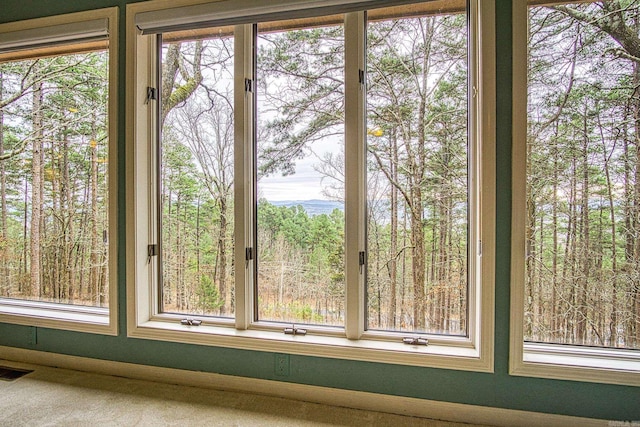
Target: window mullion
355 179
244 173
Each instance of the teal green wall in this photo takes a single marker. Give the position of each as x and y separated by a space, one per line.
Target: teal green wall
497 390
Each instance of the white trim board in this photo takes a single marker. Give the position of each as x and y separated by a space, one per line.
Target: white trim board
456 412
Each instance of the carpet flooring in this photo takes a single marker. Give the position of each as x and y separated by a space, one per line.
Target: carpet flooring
60 397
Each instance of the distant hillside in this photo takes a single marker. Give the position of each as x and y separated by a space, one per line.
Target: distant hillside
312 207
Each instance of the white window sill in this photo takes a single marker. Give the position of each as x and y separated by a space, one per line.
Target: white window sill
458 354
57 316
601 365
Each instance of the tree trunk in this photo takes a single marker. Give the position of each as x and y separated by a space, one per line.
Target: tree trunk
583 282
95 250
222 255
36 194
4 280
393 262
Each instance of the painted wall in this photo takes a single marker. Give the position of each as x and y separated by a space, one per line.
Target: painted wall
497 390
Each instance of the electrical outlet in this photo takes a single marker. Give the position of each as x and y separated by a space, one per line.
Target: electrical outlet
282 365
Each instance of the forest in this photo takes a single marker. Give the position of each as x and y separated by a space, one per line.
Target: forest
53 178
583 199
583 175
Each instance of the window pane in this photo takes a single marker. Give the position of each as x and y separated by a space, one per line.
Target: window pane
197 177
300 176
417 174
583 180
53 179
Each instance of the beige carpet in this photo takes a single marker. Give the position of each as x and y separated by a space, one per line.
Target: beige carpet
59 397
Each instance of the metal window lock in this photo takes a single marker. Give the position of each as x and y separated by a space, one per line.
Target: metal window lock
415 341
191 322
295 331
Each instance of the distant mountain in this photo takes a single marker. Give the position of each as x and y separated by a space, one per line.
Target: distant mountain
312 207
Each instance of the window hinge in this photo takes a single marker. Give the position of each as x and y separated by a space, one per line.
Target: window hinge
248 85
361 260
415 341
191 322
361 76
152 250
152 94
295 331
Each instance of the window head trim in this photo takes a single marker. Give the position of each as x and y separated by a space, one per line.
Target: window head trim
55 34
195 15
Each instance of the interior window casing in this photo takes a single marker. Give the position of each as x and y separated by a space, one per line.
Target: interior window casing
537 359
473 352
49 37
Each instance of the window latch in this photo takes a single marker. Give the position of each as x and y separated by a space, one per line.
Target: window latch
152 94
361 260
295 331
248 256
152 250
191 322
361 77
248 85
415 341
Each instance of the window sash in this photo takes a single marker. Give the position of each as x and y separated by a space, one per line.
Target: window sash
355 187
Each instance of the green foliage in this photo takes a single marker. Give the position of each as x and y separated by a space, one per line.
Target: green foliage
208 295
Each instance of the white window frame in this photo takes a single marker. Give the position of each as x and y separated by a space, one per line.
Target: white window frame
600 365
53 30
474 353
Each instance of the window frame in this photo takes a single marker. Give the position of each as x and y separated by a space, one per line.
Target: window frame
474 353
96 320
555 361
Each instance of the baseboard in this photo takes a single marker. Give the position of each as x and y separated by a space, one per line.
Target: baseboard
330 396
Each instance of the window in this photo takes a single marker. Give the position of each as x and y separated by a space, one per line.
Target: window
576 171
57 183
300 174
309 180
417 186
196 176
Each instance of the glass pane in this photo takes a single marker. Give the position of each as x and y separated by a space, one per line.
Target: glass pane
53 179
583 198
197 176
417 174
300 176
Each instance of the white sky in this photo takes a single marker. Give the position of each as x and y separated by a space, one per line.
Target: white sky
305 184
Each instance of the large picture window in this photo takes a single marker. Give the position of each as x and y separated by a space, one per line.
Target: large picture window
580 271
315 179
55 171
